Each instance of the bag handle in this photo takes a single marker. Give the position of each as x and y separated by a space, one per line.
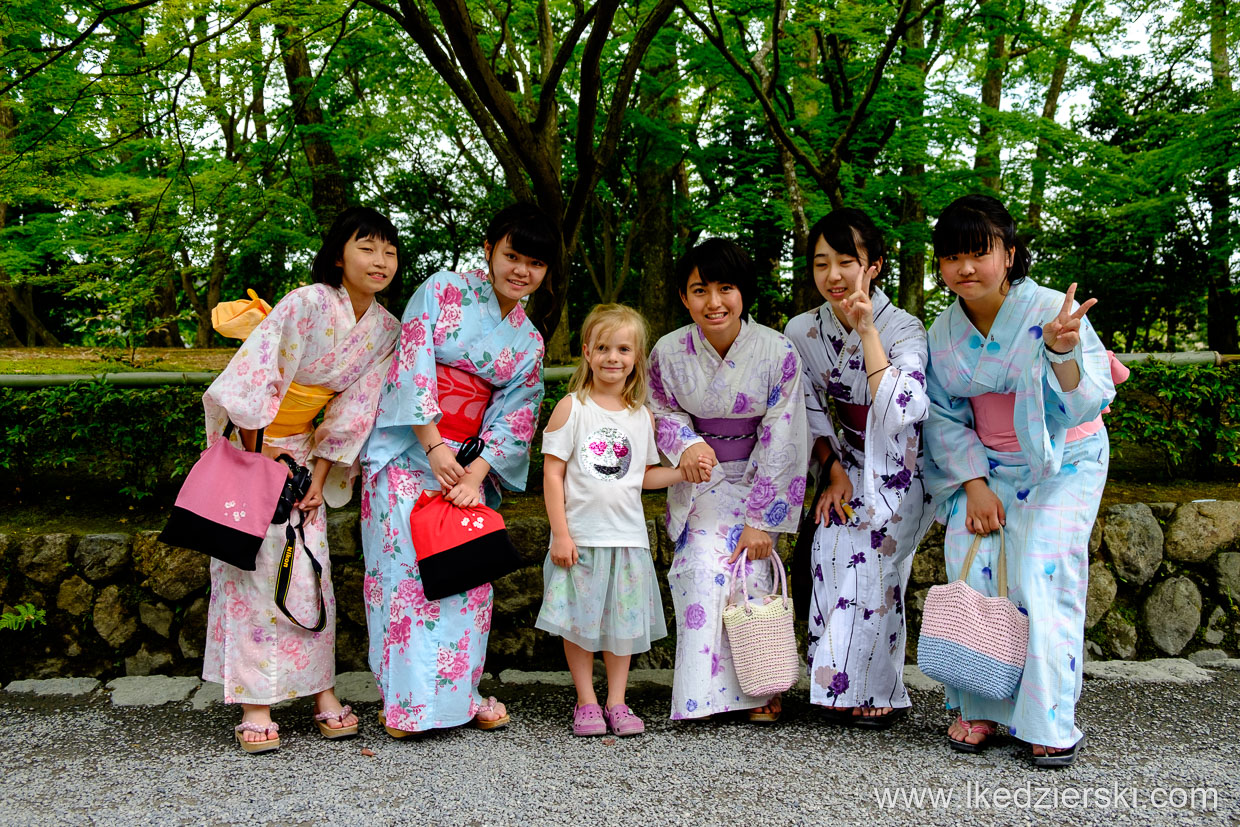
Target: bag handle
258 440
1000 566
737 571
285 575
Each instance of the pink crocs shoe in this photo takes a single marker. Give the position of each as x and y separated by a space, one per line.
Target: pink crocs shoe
622 721
588 720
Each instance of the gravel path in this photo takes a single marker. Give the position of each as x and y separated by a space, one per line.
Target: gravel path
85 761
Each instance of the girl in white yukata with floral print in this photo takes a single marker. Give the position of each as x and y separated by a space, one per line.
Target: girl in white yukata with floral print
469 363
868 358
729 411
322 347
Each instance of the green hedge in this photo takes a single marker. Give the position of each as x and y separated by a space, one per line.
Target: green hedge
1190 413
143 439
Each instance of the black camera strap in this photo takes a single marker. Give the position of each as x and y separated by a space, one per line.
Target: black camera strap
258 439
284 577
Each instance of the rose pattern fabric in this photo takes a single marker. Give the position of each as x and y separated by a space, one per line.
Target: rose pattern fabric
428 655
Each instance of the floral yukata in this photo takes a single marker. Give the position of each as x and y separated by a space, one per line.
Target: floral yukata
311 337
860 568
427 655
751 405
1050 481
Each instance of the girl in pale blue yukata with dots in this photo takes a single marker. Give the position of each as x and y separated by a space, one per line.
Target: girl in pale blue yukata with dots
1015 444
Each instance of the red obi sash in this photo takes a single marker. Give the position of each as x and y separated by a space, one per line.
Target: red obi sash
463 398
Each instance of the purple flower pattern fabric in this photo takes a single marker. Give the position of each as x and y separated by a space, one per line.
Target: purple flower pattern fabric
857 632
759 377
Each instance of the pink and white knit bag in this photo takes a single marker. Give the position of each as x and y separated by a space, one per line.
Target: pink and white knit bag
760 633
970 641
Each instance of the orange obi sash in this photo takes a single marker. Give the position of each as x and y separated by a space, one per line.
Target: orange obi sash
463 398
298 409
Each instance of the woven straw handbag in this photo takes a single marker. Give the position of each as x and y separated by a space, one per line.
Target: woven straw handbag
970 641
764 646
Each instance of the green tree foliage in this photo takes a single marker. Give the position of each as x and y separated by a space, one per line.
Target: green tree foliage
158 156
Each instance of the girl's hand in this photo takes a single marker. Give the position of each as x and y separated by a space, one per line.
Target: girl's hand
275 452
1063 333
465 494
313 498
857 307
563 551
835 497
447 470
983 509
696 461
755 542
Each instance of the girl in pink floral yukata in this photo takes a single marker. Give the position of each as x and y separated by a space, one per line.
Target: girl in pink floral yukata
469 363
323 347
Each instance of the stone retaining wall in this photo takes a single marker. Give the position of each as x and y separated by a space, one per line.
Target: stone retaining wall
1164 580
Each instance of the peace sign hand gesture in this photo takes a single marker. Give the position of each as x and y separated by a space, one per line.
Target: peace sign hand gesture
1063 333
857 307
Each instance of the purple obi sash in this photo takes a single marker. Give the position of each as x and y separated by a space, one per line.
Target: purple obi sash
731 439
853 417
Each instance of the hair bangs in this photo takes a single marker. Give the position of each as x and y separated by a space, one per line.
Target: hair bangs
965 231
534 240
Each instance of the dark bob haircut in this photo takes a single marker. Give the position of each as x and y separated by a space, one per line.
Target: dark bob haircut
850 232
529 231
717 261
971 224
359 222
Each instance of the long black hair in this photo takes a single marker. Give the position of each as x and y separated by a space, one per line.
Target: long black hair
359 222
849 231
971 224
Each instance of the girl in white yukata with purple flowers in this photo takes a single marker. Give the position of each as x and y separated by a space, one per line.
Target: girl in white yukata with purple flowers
726 395
868 358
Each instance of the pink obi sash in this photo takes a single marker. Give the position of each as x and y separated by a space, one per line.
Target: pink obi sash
852 418
731 439
463 398
994 421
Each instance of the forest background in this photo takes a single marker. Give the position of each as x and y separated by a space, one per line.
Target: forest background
157 156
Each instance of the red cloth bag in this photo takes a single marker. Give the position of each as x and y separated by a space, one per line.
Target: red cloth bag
459 549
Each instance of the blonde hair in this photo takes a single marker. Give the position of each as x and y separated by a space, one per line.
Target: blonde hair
604 319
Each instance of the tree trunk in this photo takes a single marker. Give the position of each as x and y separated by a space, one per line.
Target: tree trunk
329 189
914 235
1221 303
1041 160
993 13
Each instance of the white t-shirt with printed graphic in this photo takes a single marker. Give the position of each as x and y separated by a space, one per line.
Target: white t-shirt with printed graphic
606 455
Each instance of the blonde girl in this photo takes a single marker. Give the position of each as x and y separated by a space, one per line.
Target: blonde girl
600 591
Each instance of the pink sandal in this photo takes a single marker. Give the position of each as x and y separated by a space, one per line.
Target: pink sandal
983 728
589 720
622 721
331 732
489 706
255 747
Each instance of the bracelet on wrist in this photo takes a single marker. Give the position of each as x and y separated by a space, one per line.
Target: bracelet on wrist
1058 358
880 370
433 447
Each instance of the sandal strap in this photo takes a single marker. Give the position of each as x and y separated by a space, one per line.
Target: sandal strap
345 711
250 726
978 728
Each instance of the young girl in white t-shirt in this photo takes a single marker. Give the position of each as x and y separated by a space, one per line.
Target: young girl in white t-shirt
600 591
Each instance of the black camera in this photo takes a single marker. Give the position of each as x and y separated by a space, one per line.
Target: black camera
295 488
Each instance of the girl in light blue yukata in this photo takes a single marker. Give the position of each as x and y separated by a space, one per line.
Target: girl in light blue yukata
1015 441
